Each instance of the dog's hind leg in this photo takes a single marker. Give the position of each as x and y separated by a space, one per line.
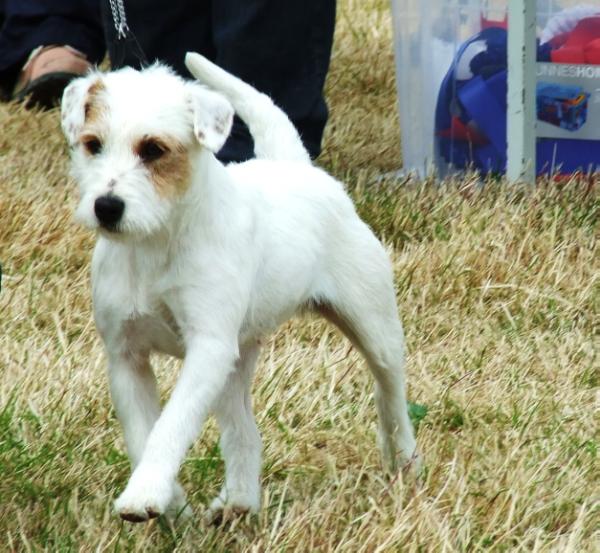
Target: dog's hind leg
240 442
379 338
363 306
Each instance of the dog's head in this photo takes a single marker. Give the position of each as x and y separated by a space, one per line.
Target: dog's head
134 136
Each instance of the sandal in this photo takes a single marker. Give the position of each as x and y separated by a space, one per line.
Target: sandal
46 73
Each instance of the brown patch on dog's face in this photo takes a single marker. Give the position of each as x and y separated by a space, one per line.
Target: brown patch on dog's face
167 162
94 107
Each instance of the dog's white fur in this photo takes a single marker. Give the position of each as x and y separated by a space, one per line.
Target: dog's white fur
206 273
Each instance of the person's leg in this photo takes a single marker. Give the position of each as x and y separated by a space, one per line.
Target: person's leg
282 49
28 25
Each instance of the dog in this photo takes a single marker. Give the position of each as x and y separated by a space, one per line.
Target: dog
202 261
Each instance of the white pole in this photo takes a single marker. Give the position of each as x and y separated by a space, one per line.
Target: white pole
521 91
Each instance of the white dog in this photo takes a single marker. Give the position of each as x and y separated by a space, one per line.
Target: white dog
201 261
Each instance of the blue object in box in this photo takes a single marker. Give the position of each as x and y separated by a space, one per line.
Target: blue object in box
474 91
562 106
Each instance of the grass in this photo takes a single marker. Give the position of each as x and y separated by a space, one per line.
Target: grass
499 291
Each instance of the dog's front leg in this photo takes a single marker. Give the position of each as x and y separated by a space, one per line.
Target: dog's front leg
135 399
207 365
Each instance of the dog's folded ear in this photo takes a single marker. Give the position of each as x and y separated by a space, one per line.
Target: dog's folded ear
212 116
72 106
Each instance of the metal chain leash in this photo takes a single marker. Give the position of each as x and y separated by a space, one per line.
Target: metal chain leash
125 45
120 20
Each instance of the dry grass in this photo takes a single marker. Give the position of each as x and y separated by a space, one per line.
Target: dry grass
500 296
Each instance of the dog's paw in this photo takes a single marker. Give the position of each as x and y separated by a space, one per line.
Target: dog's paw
230 505
400 455
412 467
145 497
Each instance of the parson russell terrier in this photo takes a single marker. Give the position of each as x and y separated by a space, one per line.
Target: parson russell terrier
201 261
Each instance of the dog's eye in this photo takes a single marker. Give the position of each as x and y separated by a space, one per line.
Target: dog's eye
92 145
151 151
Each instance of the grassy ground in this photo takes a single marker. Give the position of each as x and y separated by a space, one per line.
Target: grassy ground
499 291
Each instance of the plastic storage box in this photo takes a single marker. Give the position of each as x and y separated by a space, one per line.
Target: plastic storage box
451 58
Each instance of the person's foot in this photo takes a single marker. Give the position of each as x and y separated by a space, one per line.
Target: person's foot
46 74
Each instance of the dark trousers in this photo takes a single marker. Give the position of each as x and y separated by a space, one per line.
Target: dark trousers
282 47
27 24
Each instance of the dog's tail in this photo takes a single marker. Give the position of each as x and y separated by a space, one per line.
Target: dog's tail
275 136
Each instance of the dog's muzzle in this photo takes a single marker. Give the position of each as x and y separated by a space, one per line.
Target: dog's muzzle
109 211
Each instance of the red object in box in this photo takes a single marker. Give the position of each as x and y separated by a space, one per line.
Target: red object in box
487 23
582 45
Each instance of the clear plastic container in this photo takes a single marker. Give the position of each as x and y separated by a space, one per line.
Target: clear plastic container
451 78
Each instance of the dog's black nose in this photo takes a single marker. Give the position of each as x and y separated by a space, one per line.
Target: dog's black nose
109 210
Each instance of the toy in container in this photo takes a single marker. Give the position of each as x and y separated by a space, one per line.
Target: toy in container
452 74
